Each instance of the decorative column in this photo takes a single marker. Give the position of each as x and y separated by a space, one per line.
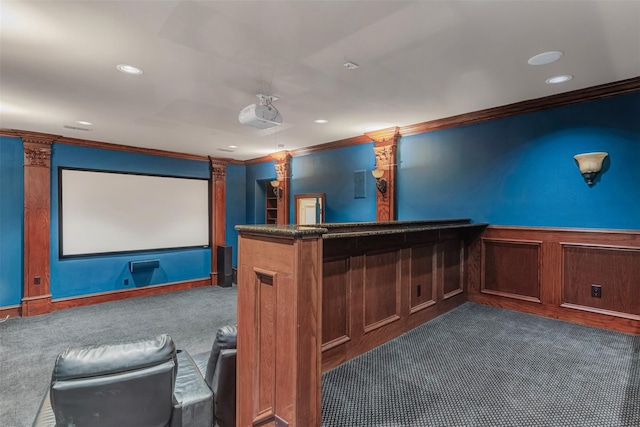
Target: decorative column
386 142
218 169
279 379
283 173
37 231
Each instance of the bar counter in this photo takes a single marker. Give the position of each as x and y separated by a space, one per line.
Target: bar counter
312 297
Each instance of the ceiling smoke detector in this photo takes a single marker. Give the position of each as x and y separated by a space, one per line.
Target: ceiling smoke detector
263 115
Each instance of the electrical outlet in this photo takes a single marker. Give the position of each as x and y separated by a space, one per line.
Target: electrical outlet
596 291
126 282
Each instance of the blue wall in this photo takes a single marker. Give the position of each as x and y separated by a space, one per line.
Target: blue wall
331 172
512 171
87 275
520 170
11 220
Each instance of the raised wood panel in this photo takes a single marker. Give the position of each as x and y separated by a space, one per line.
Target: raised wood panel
336 297
279 326
265 325
616 269
423 277
452 268
511 268
570 261
381 294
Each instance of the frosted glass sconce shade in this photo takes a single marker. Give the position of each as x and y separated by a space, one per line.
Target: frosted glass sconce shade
381 183
277 191
590 164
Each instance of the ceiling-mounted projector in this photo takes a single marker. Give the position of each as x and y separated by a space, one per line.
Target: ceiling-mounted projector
263 115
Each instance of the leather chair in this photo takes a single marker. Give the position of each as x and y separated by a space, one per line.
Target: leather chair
219 370
133 384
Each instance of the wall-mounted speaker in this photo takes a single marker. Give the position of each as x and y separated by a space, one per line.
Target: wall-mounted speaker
146 265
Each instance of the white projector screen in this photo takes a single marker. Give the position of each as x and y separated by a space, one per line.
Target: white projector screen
106 212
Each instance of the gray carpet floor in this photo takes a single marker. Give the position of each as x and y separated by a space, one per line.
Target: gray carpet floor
474 366
29 346
484 366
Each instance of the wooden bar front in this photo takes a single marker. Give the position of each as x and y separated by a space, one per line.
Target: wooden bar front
310 298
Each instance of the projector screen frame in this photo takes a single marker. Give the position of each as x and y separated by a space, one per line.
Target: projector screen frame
60 210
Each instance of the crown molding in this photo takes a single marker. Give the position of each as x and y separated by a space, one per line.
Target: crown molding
553 101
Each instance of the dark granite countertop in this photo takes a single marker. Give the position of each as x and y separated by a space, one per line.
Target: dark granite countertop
358 229
399 229
281 230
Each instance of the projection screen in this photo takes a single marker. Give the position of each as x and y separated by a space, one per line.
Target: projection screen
109 212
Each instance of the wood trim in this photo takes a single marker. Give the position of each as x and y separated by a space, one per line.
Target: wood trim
601 311
10 311
299 196
583 317
461 270
380 323
529 106
422 306
563 230
283 174
619 280
37 234
335 343
385 148
552 275
334 145
511 295
218 213
34 306
553 101
99 298
129 148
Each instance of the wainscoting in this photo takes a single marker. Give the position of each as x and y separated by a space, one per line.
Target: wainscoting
550 272
384 286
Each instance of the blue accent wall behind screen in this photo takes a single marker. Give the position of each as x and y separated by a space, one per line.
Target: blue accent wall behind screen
331 172
520 170
11 220
87 275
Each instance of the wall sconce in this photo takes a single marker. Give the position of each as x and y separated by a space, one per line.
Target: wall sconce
277 191
381 183
590 164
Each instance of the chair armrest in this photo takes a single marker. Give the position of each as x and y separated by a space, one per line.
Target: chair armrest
224 388
45 416
193 400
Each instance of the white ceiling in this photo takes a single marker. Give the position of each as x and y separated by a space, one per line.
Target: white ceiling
203 61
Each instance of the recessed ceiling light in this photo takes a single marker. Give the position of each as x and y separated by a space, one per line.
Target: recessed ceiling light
350 65
545 58
84 122
559 79
321 121
232 146
129 69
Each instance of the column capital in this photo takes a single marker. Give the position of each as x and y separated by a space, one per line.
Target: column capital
388 136
218 169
